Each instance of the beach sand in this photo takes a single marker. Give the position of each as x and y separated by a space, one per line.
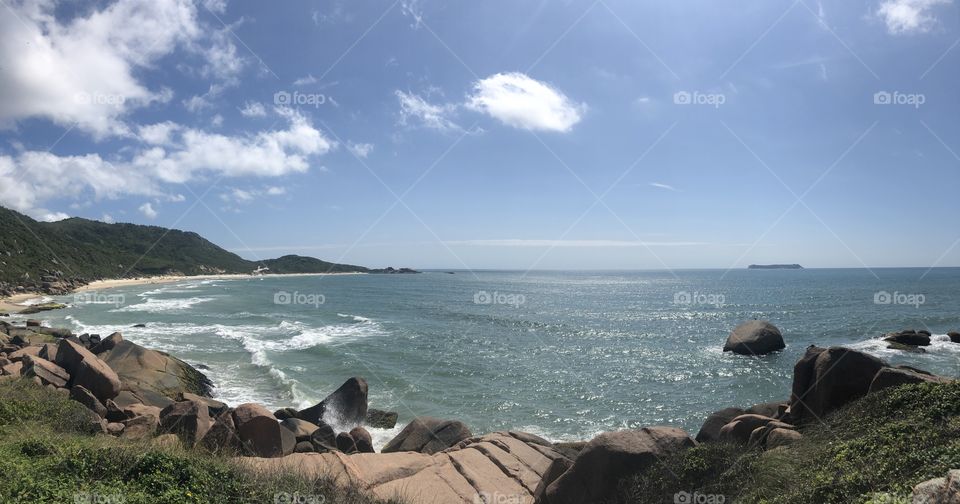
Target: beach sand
13 304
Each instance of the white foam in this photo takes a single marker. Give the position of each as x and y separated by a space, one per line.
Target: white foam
940 345
153 305
36 301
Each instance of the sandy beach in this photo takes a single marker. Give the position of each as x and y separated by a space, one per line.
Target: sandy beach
14 304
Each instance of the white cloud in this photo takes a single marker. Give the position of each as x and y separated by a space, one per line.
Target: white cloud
54 217
108 219
147 210
159 133
276 191
305 81
241 196
658 185
909 16
522 102
361 150
82 71
413 108
253 109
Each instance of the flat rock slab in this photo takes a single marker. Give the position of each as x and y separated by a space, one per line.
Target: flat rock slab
502 465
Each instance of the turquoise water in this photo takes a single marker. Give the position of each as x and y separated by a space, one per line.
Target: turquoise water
561 354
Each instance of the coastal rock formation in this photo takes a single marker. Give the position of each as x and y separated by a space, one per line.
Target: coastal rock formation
222 436
428 435
739 429
754 337
902 375
142 369
260 433
710 431
781 437
85 397
825 379
909 337
187 419
381 419
483 469
609 457
345 406
954 336
47 372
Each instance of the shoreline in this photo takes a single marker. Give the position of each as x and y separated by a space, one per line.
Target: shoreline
12 305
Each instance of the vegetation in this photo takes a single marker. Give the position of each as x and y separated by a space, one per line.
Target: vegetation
50 455
86 249
873 450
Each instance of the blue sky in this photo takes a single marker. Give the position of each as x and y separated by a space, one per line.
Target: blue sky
502 134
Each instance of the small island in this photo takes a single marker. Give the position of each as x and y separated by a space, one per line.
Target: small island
774 266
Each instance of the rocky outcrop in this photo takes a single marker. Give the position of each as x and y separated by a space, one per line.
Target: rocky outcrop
902 375
260 433
140 368
710 431
428 435
497 466
47 372
612 456
944 490
825 379
88 370
380 419
739 430
346 406
189 420
909 337
755 337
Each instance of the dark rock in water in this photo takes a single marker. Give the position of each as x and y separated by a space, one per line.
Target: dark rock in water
825 379
139 325
754 337
908 338
346 443
954 336
202 366
33 323
362 440
285 413
37 308
346 406
260 433
190 420
83 396
610 457
428 435
710 431
324 439
380 419
925 332
903 375
906 348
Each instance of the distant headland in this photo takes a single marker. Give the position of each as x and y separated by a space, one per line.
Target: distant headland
774 266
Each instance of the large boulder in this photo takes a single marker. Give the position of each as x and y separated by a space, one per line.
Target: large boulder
381 419
754 337
612 456
301 429
144 369
825 379
782 437
739 429
222 436
938 490
909 337
710 431
88 370
362 440
188 419
85 397
260 433
954 336
346 406
428 435
48 372
107 343
140 427
902 375
324 439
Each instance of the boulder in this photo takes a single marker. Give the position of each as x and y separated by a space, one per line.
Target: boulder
754 337
346 406
33 350
188 419
428 435
902 375
909 337
610 457
222 436
324 439
216 407
114 428
825 379
13 369
85 397
556 469
140 427
48 372
260 433
48 351
98 378
771 409
362 439
954 336
301 429
938 490
107 344
710 431
380 419
739 430
285 413
782 437
145 397
70 354
33 323
143 369
303 447
346 443
135 410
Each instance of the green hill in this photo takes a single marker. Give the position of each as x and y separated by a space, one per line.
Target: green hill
86 250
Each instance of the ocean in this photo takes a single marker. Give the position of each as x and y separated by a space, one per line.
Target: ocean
564 355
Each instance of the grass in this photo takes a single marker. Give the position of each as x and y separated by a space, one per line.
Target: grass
49 454
873 450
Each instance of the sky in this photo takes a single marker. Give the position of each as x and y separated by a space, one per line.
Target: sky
535 134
